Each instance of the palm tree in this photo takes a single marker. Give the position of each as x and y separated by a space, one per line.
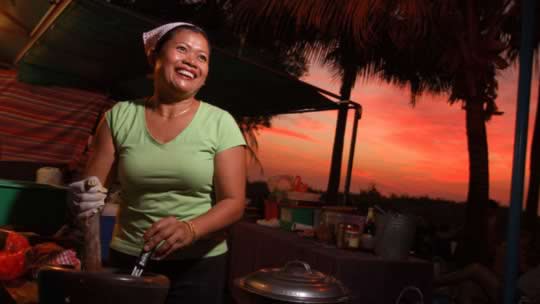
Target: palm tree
407 43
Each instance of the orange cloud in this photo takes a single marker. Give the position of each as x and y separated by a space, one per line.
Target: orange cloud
419 150
307 123
288 133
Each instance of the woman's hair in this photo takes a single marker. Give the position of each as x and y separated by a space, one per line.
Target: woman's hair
170 34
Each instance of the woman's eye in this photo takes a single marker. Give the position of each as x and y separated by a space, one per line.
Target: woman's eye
181 48
203 58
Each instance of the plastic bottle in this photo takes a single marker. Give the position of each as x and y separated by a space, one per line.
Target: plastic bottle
368 233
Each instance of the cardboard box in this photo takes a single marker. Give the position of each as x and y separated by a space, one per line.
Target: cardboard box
303 196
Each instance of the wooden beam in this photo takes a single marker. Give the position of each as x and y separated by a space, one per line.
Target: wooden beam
43 25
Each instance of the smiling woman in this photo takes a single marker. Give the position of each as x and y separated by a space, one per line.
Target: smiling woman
180 60
171 152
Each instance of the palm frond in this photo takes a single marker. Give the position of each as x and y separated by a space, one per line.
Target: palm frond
405 42
250 126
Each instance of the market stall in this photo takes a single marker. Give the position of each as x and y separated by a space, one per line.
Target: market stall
53 92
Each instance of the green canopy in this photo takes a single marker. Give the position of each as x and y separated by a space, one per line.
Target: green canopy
98 46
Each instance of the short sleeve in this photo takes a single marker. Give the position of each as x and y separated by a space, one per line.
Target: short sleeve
111 117
121 119
229 134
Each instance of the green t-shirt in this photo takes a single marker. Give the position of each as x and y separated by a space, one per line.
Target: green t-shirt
176 178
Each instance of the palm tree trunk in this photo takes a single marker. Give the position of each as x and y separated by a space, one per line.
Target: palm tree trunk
349 77
531 209
475 238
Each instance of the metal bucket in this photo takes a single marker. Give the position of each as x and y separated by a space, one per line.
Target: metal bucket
395 236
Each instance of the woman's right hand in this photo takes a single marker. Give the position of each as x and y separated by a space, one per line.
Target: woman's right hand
87 197
169 234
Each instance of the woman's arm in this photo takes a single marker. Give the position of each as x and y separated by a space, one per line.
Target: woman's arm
230 183
102 154
87 194
99 164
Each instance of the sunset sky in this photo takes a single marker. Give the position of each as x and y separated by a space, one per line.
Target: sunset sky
419 150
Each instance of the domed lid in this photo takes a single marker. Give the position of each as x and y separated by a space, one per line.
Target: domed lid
296 283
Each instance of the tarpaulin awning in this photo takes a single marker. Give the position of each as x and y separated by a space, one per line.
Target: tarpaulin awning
92 44
45 124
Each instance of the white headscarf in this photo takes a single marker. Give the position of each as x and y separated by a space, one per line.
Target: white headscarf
151 37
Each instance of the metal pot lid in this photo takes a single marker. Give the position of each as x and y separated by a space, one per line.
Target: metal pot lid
296 283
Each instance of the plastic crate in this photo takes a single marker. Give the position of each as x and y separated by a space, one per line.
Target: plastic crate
28 206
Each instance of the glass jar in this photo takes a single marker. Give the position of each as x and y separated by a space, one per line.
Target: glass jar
326 229
340 235
323 230
351 236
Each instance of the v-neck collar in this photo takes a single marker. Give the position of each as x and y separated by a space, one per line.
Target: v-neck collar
179 135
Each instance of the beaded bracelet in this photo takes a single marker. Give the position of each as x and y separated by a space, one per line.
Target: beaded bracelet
192 230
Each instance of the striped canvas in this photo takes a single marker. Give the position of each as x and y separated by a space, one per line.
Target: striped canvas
46 124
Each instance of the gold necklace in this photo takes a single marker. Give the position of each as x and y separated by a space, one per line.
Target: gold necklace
175 114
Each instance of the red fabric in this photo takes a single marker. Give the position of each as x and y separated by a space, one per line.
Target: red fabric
66 257
46 123
12 255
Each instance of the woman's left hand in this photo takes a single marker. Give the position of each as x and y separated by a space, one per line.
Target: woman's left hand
175 234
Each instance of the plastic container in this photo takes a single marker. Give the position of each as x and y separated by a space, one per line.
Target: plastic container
300 215
107 227
354 219
33 207
327 224
271 210
351 237
330 219
107 222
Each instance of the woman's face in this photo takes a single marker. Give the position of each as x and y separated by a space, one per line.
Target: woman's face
181 66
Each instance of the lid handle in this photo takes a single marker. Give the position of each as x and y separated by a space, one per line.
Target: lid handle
291 264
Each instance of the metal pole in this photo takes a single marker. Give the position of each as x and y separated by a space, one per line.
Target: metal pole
357 115
520 147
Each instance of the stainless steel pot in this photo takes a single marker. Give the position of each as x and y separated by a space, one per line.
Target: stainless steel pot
61 285
296 282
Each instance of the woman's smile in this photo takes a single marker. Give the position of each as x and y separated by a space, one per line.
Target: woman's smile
185 73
